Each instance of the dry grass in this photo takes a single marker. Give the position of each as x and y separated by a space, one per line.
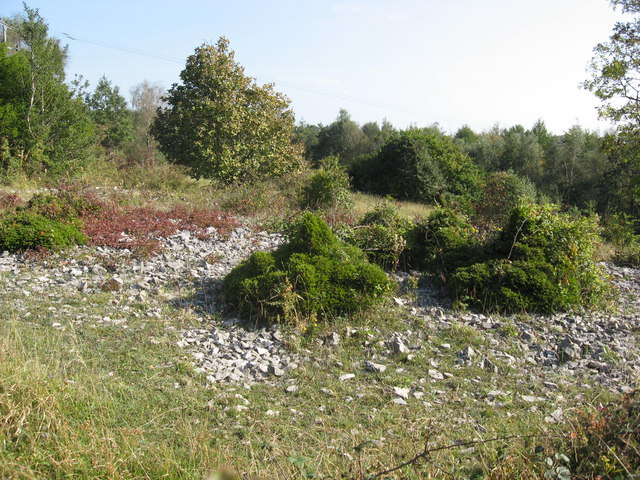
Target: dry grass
364 203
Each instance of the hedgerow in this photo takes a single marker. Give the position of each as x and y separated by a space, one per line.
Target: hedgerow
312 277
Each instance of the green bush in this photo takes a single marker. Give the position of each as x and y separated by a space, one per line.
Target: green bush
25 231
312 277
381 234
423 165
438 242
327 188
501 193
542 260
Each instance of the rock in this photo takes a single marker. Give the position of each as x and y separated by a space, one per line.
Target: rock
273 370
436 375
332 340
346 376
291 389
397 346
532 399
399 401
401 392
568 350
555 417
375 367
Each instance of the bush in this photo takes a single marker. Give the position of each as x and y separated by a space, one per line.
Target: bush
606 443
422 165
437 242
64 207
542 260
312 277
381 234
24 231
501 193
327 188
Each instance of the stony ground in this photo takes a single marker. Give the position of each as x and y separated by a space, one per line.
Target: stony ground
580 349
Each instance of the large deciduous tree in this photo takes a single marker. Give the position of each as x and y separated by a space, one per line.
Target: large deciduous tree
221 124
146 98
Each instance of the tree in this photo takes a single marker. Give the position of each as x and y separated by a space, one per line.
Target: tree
343 138
615 69
43 125
615 80
221 124
146 99
110 114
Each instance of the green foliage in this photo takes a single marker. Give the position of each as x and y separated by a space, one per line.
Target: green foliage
343 138
431 241
614 74
614 69
423 165
63 207
25 231
501 192
110 114
381 234
222 125
542 260
327 188
46 128
312 277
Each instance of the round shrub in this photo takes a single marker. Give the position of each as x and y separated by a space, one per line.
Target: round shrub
24 231
423 165
327 188
64 207
441 242
312 277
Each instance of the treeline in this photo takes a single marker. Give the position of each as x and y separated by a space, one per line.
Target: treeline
578 168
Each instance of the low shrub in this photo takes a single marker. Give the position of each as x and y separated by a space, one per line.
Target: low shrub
381 234
438 242
63 207
628 255
327 188
9 201
542 260
24 230
312 277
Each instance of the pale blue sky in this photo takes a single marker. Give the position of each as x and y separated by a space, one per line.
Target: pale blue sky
479 62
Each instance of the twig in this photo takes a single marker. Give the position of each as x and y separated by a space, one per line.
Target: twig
427 451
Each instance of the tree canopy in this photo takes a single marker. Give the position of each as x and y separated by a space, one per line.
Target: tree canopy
44 126
221 124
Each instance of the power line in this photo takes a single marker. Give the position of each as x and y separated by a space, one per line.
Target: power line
306 88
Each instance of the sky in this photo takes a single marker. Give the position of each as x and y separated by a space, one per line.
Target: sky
413 62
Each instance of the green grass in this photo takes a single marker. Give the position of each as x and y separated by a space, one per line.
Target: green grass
88 400
93 399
